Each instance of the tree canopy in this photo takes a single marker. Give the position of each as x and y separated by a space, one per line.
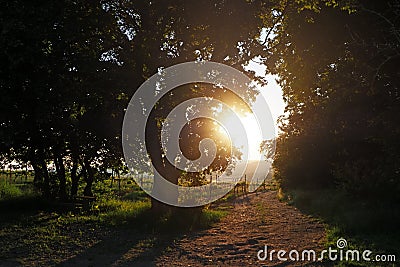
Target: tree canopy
340 78
69 68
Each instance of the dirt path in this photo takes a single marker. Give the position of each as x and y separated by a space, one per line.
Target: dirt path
256 220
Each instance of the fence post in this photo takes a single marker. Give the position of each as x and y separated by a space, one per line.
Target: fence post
245 185
210 184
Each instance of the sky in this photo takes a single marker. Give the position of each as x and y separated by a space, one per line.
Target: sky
272 93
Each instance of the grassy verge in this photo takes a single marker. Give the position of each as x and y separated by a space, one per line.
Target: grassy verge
189 219
363 223
46 233
9 191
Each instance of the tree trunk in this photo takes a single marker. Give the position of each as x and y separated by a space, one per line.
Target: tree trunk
164 168
60 168
46 178
41 178
74 177
89 178
38 177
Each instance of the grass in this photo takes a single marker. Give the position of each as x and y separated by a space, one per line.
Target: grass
31 236
363 223
119 212
9 191
18 199
209 217
183 220
262 213
32 228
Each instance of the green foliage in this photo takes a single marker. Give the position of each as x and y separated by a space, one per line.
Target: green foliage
125 189
56 89
9 191
338 78
192 179
70 67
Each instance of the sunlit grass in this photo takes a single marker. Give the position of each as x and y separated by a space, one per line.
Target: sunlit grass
116 211
210 217
183 219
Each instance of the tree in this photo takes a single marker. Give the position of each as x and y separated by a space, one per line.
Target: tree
70 67
336 65
172 32
60 67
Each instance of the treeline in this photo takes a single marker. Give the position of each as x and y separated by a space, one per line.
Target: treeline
68 69
341 79
63 89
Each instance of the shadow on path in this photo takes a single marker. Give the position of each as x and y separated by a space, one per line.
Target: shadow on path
123 247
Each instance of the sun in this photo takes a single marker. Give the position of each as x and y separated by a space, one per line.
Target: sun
252 138
272 93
